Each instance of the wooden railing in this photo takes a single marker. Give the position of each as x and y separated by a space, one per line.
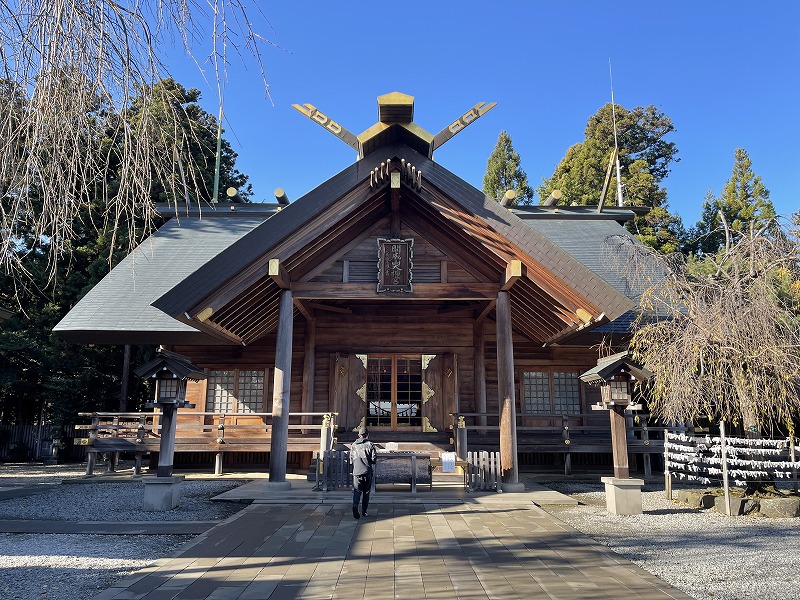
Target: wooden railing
140 433
564 434
334 471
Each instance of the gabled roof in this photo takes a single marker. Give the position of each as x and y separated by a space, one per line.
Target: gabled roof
447 199
179 365
119 309
211 280
610 366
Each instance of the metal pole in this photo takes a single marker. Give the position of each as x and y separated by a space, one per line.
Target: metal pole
724 468
215 197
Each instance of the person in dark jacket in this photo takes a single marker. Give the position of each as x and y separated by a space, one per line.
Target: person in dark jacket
363 456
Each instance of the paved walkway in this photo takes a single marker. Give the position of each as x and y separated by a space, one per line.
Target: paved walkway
297 544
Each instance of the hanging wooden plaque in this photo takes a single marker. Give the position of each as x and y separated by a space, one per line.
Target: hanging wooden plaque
394 265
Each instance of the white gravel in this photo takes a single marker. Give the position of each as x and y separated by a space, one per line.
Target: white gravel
703 553
60 566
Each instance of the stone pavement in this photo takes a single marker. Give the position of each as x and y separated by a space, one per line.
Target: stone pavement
297 544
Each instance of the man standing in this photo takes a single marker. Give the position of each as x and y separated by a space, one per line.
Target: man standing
363 456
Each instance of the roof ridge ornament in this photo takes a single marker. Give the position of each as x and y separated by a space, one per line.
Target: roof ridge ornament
457 126
329 124
395 120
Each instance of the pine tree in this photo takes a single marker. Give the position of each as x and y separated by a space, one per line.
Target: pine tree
645 158
503 173
744 200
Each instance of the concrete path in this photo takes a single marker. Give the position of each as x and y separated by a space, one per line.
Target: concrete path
500 546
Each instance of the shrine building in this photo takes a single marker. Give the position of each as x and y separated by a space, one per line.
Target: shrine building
394 294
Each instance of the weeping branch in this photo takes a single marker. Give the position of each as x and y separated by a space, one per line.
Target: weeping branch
721 335
82 123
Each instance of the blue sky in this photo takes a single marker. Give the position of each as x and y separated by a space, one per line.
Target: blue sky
727 73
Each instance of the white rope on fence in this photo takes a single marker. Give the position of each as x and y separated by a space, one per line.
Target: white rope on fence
706 459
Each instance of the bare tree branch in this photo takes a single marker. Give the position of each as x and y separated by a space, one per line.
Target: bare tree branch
722 335
70 132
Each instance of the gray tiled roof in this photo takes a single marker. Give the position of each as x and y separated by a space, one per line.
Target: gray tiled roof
583 239
185 260
261 239
119 310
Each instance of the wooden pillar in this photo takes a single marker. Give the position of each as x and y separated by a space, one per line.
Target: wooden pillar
166 449
309 365
505 390
619 446
479 350
279 440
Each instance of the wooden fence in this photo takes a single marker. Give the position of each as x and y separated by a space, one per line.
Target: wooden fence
334 471
32 442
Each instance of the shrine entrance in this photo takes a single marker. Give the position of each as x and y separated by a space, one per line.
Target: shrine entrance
394 392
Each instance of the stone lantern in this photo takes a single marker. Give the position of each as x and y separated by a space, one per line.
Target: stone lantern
615 376
170 371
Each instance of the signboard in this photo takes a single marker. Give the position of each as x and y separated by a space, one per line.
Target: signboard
394 265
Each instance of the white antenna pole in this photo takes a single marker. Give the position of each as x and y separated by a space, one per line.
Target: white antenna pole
616 145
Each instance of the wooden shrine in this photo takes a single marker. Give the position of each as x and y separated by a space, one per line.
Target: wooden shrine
393 295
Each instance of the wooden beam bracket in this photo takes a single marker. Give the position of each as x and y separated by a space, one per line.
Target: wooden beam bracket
514 271
278 274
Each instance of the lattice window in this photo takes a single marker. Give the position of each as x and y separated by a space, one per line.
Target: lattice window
167 388
566 394
379 392
250 394
551 392
220 391
536 392
409 392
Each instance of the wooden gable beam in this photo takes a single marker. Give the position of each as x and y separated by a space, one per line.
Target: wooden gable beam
341 251
277 272
514 271
422 291
452 242
500 246
211 328
304 309
301 259
328 308
451 310
346 207
486 310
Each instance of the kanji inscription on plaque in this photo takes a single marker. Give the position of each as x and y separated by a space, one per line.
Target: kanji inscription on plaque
394 265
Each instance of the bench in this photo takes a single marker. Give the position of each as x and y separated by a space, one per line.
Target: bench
403 467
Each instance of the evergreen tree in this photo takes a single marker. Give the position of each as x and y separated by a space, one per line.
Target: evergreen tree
195 136
39 373
503 173
645 158
744 200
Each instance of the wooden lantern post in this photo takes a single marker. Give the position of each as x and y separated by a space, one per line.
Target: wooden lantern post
171 371
614 375
617 397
